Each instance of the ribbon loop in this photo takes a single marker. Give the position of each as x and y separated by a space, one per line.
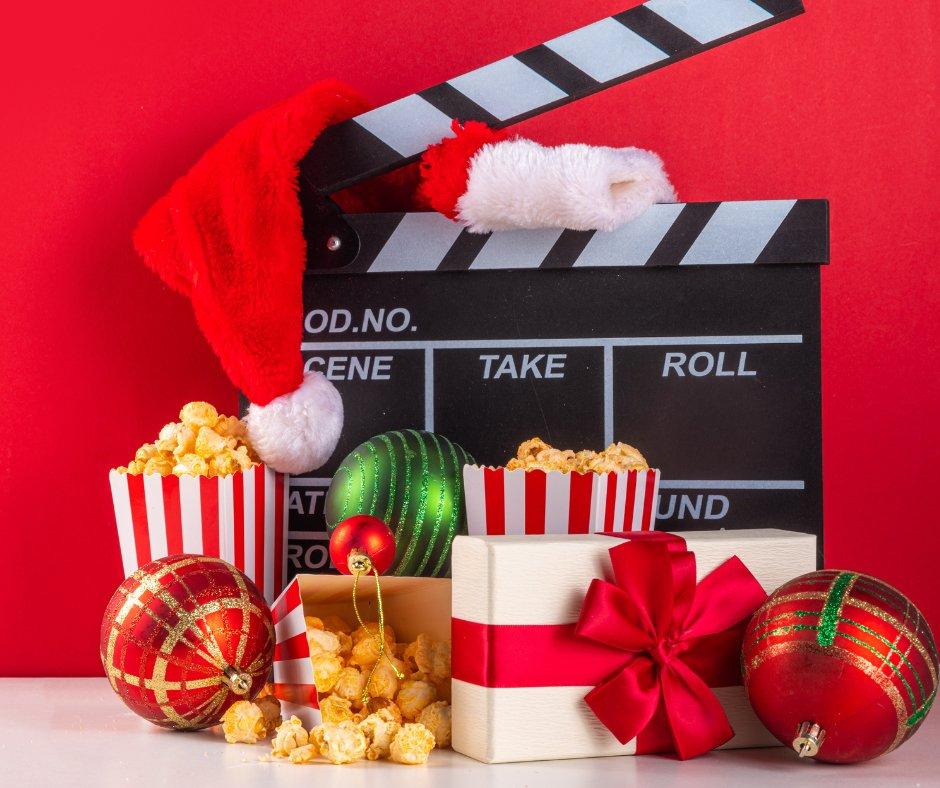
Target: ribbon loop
668 628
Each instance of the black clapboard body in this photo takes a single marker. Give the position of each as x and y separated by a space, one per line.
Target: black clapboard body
692 333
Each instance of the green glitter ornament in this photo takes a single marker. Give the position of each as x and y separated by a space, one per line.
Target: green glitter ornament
413 481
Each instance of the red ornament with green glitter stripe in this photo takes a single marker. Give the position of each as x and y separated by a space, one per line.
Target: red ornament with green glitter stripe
413 481
840 665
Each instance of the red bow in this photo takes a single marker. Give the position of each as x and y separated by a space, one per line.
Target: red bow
674 632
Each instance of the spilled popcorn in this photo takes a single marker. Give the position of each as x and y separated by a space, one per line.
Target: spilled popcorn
394 719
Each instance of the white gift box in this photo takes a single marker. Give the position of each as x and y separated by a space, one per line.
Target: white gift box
500 501
240 518
541 580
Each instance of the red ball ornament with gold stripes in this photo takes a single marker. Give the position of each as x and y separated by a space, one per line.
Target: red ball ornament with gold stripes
840 665
183 638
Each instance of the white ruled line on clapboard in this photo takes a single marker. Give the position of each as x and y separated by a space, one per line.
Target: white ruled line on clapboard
732 484
605 344
747 232
565 69
315 535
612 342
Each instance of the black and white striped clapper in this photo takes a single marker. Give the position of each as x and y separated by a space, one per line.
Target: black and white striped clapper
565 69
692 332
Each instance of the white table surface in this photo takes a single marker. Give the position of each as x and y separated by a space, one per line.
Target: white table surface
64 732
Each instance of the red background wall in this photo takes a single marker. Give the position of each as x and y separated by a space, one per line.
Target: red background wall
107 104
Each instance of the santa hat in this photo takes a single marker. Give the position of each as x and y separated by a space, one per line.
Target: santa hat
229 235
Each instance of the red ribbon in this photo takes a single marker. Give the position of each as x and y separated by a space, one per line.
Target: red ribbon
665 625
652 643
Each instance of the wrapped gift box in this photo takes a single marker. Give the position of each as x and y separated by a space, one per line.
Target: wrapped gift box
509 702
412 606
240 518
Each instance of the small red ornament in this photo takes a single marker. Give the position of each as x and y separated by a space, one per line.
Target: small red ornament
366 534
840 665
183 638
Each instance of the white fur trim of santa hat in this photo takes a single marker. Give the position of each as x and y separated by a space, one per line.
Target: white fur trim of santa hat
517 183
297 432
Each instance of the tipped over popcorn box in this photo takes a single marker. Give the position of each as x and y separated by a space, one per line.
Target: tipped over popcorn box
544 663
412 607
502 501
200 488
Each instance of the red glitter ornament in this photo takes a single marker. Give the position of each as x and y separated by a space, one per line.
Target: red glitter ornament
183 638
840 665
366 534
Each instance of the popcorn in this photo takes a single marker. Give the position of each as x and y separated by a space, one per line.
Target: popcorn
230 427
413 696
336 624
327 669
371 631
412 744
289 736
202 443
243 723
383 682
145 452
428 657
341 742
270 710
385 707
335 709
162 463
305 754
209 443
342 659
191 465
320 640
535 453
350 684
198 414
365 650
436 718
380 729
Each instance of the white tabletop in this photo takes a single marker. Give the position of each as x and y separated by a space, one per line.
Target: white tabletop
64 732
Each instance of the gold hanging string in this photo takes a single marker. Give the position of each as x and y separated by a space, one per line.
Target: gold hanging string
361 564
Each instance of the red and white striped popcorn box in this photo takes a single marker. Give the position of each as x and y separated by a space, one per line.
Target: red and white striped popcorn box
411 605
500 501
293 672
240 518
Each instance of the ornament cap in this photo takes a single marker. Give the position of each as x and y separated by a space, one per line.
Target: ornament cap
359 562
809 738
237 681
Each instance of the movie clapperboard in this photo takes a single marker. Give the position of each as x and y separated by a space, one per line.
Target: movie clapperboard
692 332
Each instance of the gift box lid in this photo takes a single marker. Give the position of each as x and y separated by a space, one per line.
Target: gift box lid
542 579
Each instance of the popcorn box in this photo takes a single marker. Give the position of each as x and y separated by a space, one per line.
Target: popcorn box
517 694
500 501
412 605
241 518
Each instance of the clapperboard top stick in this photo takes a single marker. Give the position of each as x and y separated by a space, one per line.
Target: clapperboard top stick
507 91
760 232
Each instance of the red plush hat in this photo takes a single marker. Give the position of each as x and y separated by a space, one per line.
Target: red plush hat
229 235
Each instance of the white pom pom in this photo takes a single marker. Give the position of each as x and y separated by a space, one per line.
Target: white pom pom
518 183
297 432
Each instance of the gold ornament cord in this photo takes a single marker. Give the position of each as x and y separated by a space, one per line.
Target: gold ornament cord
361 565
